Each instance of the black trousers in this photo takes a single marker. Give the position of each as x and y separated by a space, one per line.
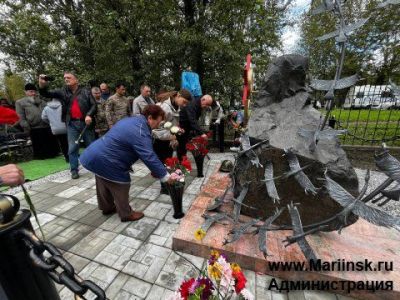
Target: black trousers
162 149
218 131
44 143
182 140
63 144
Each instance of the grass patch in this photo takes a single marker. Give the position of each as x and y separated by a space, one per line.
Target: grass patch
364 115
39 168
35 169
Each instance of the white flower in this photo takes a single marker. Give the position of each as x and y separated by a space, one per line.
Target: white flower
174 129
246 294
175 296
167 125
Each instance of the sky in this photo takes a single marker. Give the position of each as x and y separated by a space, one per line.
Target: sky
291 34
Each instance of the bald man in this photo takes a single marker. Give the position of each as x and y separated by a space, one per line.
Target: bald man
188 120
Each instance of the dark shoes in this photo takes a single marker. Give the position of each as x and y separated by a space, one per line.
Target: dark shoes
109 212
135 215
74 175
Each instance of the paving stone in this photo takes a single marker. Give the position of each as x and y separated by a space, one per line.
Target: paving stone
169 280
79 211
114 224
296 295
279 296
264 280
147 262
71 235
145 181
135 190
99 274
141 229
92 200
78 262
87 184
157 210
140 172
56 226
91 245
84 195
44 186
58 189
164 199
139 204
170 219
115 288
149 194
44 218
176 269
68 193
137 287
118 253
48 203
317 295
61 179
251 281
158 292
38 197
263 293
60 208
94 217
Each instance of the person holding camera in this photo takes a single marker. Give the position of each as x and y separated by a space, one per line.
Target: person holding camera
78 109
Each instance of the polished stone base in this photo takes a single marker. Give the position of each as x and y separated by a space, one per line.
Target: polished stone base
357 242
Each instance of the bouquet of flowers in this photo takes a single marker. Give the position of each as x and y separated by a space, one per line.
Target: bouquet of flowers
198 145
175 130
178 169
220 280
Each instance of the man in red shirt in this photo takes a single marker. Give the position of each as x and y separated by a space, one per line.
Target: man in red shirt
78 109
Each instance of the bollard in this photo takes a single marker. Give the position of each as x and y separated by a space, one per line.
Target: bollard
20 279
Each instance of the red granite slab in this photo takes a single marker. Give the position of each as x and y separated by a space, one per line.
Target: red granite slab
357 242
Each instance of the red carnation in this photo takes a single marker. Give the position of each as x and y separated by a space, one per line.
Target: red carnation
184 289
190 147
186 163
240 281
171 161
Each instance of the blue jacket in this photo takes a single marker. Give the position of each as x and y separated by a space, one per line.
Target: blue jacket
112 156
191 82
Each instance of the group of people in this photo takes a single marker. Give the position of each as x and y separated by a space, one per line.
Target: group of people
117 131
127 130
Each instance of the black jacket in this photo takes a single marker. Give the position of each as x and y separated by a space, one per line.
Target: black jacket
86 101
189 116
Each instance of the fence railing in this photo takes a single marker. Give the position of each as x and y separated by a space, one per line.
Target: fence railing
371 114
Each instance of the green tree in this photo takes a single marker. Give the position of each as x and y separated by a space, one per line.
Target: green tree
14 87
372 51
143 41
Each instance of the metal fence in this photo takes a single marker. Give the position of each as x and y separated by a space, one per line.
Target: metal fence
370 113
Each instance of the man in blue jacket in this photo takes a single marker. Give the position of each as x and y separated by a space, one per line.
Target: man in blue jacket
111 157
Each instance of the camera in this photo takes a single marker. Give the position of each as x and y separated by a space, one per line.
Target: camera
47 77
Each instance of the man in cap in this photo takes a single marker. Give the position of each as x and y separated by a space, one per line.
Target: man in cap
29 110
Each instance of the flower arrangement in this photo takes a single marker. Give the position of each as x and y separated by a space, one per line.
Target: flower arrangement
219 280
178 169
175 130
198 145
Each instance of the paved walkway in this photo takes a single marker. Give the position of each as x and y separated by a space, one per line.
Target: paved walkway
131 260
